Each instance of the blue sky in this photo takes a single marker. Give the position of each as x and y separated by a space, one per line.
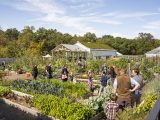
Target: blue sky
125 18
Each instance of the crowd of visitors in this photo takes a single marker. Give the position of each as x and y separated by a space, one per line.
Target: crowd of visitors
127 88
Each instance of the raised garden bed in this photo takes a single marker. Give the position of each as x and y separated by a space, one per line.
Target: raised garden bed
23 102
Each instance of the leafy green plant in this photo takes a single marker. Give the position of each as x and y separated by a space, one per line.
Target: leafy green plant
146 69
37 87
54 87
156 69
98 104
62 108
140 112
4 91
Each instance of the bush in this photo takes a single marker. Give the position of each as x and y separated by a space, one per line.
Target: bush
4 91
62 108
140 112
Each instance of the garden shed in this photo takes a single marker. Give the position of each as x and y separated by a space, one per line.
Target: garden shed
153 53
80 50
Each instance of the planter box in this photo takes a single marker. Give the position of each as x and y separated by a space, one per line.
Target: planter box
33 111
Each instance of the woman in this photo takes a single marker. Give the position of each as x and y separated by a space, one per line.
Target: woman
64 73
137 94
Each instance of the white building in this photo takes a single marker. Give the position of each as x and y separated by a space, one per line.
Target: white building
153 53
80 50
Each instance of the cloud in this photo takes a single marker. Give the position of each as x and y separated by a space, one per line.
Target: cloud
152 25
110 22
122 15
136 14
53 13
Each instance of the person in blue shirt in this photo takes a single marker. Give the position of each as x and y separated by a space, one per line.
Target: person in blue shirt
103 82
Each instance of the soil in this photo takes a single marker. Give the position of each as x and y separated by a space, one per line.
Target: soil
25 101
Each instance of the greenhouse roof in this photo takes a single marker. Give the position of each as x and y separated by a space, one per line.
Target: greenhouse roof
154 51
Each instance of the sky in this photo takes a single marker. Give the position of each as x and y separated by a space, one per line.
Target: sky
124 18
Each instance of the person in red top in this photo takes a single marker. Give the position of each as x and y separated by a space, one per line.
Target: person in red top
112 107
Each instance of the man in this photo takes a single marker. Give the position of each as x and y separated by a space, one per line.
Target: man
49 71
3 65
122 86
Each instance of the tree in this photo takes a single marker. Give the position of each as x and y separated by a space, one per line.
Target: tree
12 34
146 36
91 37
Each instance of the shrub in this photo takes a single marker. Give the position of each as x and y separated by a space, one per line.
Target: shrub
140 112
4 91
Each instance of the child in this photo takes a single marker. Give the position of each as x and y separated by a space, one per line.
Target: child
111 107
90 81
104 80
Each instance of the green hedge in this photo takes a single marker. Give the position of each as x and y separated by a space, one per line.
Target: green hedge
62 108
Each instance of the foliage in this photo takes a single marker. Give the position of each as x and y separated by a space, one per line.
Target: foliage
37 87
4 91
95 65
96 45
152 87
54 87
140 112
62 108
98 104
31 42
156 69
76 90
146 69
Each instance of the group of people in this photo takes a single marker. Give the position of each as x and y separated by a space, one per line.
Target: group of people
127 88
48 70
127 92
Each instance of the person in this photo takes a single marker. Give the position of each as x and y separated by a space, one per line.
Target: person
72 76
112 73
137 66
35 72
90 81
103 81
104 69
3 65
122 87
111 107
49 71
136 96
64 73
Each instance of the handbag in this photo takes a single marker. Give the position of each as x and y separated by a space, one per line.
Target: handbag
64 77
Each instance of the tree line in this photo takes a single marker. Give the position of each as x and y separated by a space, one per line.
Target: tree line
15 43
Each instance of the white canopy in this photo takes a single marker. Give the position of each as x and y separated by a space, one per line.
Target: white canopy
47 56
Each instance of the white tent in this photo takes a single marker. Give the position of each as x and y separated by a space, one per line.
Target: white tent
47 56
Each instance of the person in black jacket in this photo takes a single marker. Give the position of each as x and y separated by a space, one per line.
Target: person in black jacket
35 72
49 71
